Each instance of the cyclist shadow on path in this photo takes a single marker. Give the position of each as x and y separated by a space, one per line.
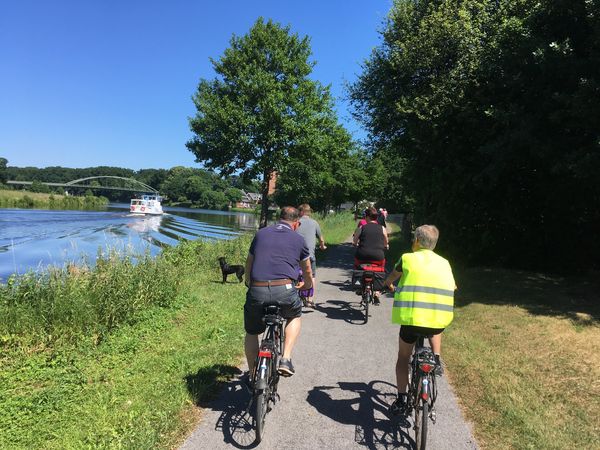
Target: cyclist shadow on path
234 422
349 312
371 431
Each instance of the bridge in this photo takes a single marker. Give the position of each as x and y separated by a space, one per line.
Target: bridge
81 183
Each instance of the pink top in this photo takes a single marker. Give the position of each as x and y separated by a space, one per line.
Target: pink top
362 222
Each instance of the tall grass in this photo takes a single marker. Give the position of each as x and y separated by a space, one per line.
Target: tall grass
66 305
25 199
116 356
336 228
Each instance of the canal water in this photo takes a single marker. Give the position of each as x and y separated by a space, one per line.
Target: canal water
32 239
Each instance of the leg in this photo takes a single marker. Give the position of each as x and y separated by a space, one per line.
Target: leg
251 349
224 277
436 343
404 352
292 331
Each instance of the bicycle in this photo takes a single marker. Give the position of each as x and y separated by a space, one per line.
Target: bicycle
266 377
368 288
422 390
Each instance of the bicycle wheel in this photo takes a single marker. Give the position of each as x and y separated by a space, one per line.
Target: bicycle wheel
421 417
260 413
366 300
261 403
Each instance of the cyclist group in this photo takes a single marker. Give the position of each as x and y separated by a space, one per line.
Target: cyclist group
423 300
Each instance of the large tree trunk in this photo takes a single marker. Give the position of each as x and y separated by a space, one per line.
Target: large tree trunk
264 207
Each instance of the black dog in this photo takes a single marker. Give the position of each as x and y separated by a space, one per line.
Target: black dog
226 269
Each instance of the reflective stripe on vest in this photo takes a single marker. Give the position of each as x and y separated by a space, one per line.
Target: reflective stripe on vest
425 294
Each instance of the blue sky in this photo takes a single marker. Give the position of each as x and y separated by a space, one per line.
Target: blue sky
86 83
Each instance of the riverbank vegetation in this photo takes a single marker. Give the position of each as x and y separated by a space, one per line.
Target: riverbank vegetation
122 354
196 188
114 356
26 199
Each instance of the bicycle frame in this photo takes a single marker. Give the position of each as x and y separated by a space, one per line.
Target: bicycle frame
422 384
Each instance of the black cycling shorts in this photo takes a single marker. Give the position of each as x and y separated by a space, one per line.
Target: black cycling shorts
410 333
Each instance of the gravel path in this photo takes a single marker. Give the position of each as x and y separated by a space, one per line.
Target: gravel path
343 385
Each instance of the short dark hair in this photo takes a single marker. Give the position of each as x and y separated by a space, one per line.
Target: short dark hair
289 213
372 213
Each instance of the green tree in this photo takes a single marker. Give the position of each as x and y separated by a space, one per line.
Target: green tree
233 195
3 171
262 108
38 186
491 111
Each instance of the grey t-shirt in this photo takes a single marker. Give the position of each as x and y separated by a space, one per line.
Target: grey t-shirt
310 230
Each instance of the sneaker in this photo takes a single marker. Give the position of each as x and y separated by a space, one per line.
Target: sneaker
399 407
376 301
439 368
286 369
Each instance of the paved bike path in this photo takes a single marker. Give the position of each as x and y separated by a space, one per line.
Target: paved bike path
343 384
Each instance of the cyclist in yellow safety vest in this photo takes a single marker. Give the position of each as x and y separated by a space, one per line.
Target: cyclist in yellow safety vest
423 303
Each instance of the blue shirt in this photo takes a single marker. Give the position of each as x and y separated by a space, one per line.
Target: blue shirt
277 252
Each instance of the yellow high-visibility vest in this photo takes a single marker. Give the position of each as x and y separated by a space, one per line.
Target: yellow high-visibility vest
425 294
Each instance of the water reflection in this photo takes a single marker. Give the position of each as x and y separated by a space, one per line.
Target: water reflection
33 239
146 224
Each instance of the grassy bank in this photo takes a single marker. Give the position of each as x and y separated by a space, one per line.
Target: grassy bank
521 357
26 199
118 356
336 227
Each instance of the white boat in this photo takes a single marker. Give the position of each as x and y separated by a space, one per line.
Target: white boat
146 204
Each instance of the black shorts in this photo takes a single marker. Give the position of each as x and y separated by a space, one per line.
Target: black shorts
258 297
410 334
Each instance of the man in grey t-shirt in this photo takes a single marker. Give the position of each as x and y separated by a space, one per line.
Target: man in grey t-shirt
310 230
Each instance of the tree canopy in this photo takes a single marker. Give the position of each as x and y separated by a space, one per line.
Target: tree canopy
492 110
262 111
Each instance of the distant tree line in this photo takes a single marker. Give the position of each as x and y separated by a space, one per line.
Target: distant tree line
188 186
488 112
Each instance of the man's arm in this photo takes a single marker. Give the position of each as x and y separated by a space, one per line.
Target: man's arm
393 276
306 273
248 269
322 245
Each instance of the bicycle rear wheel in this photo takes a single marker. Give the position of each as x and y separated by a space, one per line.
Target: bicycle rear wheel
367 298
421 417
260 413
261 399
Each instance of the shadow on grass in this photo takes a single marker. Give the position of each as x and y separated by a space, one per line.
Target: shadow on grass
575 298
205 384
366 410
235 422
